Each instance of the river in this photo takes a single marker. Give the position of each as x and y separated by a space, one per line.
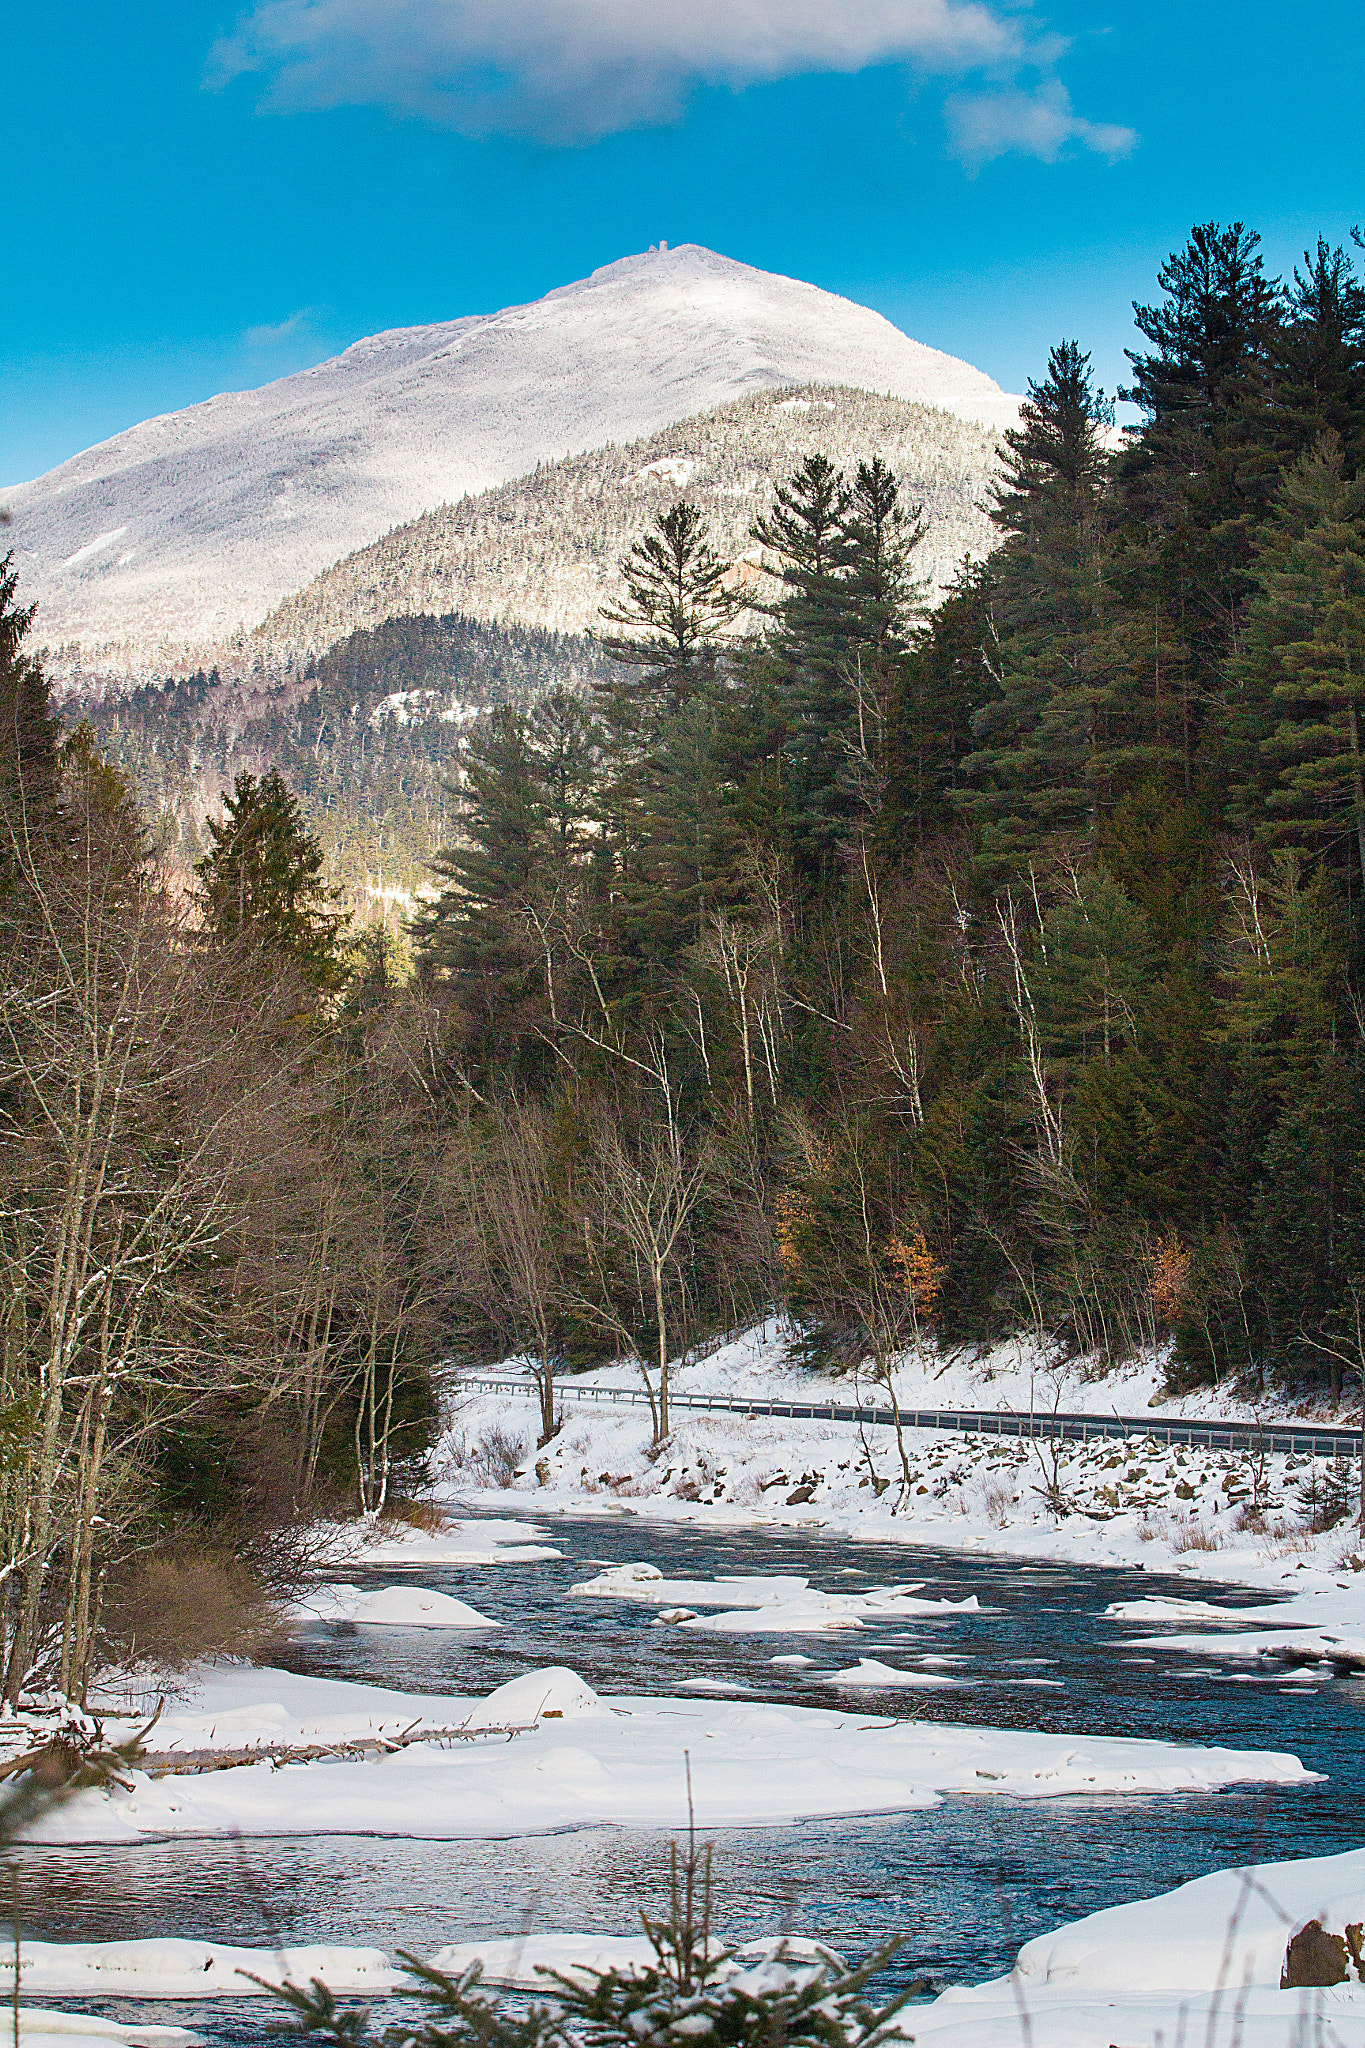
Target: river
962 1885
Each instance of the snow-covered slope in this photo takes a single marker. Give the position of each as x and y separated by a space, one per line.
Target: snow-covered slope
183 528
543 550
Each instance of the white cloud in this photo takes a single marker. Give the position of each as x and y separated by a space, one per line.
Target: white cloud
1039 123
266 337
571 70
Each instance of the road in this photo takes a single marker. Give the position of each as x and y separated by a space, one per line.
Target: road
1316 1440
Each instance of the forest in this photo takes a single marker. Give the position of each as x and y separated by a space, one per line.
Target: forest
926 974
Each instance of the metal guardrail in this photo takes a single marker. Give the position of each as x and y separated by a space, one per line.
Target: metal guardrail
1302 1439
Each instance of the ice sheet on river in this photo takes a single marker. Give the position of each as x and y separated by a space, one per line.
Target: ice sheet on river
752 1604
483 1541
1325 1626
611 1762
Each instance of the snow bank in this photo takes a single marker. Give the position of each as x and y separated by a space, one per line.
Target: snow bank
1324 1626
1229 1928
1003 2015
37 2027
1189 1510
1201 1963
226 1707
185 1969
617 1762
520 1962
387 1607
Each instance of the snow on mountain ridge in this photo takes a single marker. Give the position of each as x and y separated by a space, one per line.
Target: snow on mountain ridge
231 505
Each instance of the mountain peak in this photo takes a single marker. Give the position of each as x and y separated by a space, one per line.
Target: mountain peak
169 537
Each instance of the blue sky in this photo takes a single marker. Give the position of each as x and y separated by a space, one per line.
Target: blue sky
200 199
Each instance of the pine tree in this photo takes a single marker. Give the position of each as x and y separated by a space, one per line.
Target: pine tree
262 879
678 604
679 601
1321 356
30 775
1303 670
1199 477
564 743
474 936
1050 738
846 606
688 861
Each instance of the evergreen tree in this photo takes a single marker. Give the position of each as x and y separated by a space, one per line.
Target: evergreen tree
929 731
1198 478
1052 744
1303 671
846 607
688 861
30 775
1321 356
473 936
678 600
564 741
678 604
262 879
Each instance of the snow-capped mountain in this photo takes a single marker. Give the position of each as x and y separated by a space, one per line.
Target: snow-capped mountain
176 533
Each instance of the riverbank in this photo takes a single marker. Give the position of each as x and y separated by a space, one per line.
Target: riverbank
1242 1518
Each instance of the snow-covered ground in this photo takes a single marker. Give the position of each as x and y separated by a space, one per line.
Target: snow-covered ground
547 1753
1201 1964
1226 1516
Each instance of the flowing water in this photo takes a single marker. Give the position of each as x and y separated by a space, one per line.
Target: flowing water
963 1885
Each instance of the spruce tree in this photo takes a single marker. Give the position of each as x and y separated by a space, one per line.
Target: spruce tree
262 879
677 603
846 606
1198 478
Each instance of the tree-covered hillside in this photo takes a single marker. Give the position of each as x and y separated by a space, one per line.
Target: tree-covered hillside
950 973
368 736
543 550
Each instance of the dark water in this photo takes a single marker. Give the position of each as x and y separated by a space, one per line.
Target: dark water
962 1885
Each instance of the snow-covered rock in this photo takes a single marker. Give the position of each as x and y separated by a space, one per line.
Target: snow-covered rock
872 1673
192 524
386 1607
554 1694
